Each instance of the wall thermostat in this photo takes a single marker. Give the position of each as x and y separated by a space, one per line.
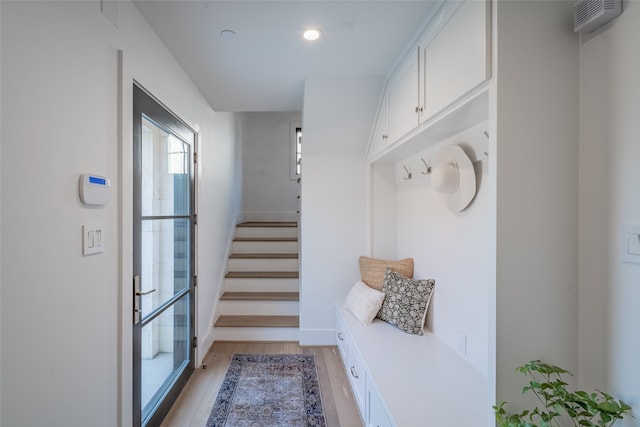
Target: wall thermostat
94 190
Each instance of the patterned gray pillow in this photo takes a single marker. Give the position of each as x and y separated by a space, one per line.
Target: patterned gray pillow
406 301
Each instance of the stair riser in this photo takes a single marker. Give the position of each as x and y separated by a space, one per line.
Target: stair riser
261 285
263 264
265 247
253 232
257 334
259 308
251 308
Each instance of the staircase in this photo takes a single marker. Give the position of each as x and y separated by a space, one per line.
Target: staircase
260 298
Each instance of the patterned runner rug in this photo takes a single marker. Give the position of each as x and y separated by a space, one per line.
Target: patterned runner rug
278 390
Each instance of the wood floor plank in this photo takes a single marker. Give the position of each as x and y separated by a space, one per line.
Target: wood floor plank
215 373
328 403
199 389
195 402
341 393
260 296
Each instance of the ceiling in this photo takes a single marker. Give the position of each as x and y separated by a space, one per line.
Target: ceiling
264 66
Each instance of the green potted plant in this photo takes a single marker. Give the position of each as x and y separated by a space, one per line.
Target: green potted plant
546 382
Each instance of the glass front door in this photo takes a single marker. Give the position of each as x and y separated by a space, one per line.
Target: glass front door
163 258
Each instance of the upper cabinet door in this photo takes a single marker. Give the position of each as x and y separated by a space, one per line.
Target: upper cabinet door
380 138
456 59
403 98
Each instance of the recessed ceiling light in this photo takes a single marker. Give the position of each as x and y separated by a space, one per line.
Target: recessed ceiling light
311 34
227 34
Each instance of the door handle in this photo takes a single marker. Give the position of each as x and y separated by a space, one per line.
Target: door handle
137 310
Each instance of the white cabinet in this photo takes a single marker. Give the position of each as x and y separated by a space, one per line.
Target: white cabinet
353 364
455 61
380 135
402 93
361 382
377 416
449 61
357 375
343 344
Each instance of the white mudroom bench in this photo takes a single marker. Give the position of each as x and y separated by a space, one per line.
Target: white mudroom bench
405 380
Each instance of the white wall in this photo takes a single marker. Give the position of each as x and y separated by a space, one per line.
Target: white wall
450 247
609 345
534 149
269 194
65 317
333 197
219 208
1 329
383 211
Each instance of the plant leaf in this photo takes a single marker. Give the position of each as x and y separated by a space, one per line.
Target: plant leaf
608 407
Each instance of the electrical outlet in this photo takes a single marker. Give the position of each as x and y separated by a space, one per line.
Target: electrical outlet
462 343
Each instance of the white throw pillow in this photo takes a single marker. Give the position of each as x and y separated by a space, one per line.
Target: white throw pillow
364 302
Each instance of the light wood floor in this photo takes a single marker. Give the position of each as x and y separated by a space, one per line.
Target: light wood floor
196 400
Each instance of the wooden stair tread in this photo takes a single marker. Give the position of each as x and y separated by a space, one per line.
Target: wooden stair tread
262 275
268 224
261 296
265 239
265 255
232 321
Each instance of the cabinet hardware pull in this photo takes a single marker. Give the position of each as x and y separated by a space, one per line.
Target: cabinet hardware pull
353 372
340 336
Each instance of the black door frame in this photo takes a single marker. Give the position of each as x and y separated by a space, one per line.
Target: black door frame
145 104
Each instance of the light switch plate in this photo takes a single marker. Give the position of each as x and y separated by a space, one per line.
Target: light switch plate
92 238
630 243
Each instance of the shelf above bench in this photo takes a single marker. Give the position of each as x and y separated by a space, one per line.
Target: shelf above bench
469 111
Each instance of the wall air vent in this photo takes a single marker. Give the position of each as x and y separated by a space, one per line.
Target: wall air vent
590 14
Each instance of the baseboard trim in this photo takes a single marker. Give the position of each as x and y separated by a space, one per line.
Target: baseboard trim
205 345
317 337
